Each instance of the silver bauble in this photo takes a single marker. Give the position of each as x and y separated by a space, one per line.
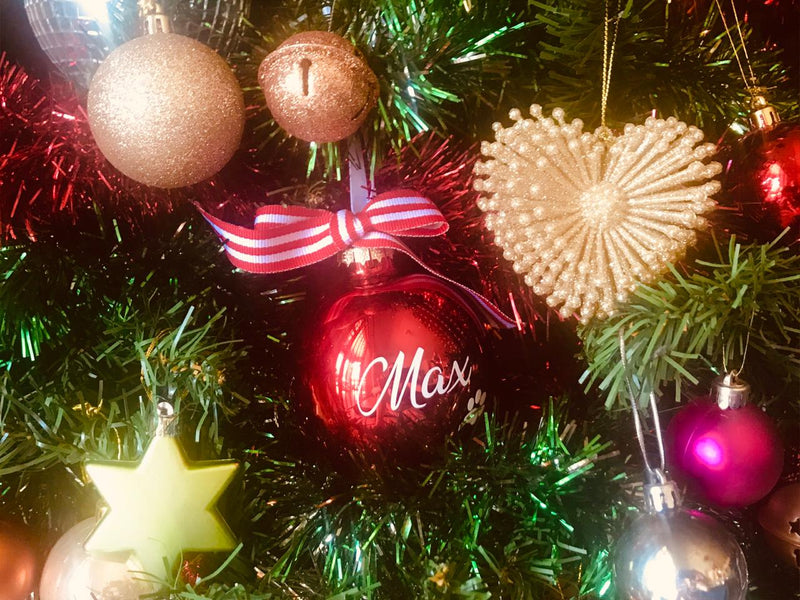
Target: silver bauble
78 34
679 555
71 573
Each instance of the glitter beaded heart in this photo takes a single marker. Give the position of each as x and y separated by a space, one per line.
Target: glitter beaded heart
586 217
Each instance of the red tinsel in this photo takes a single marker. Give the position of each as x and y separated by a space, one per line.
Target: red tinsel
442 171
52 172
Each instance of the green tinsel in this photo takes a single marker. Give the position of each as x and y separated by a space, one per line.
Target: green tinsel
97 322
660 50
515 511
747 301
439 63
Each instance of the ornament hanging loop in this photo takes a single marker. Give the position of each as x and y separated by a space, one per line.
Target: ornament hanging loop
762 114
609 45
362 189
732 375
656 476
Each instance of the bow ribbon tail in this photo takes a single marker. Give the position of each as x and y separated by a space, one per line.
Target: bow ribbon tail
384 241
290 237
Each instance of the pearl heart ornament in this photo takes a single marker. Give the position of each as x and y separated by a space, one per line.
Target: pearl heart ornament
585 217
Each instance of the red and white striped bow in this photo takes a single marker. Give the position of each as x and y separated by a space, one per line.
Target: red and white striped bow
289 237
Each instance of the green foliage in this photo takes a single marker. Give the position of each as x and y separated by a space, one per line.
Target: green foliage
91 336
442 66
747 301
98 321
676 62
512 512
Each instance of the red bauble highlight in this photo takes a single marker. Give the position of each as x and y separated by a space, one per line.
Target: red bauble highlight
392 363
763 180
731 457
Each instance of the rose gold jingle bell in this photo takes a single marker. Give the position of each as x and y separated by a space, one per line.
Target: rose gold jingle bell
317 86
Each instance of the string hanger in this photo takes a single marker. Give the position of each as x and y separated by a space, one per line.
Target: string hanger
763 115
609 45
751 82
661 493
736 372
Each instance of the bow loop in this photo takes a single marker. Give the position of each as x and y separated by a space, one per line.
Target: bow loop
290 237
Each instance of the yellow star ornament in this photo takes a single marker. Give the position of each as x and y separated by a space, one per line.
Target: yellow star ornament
161 507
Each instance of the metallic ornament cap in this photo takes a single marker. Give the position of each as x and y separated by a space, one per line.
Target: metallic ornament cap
368 266
762 114
731 392
157 23
167 420
364 256
661 496
155 18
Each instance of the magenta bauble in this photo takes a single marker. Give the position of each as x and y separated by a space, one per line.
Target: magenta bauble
395 363
731 457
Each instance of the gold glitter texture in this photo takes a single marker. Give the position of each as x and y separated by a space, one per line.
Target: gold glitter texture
318 87
584 216
166 110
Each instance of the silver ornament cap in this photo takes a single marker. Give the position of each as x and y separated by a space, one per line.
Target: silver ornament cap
661 496
731 392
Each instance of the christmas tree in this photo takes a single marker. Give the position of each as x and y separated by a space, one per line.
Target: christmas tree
391 299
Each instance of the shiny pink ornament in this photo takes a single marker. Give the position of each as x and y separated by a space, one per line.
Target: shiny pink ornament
394 363
730 456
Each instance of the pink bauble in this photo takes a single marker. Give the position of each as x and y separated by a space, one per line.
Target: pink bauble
732 457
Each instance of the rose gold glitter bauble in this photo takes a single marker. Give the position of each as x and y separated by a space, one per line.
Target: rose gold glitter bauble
166 110
318 87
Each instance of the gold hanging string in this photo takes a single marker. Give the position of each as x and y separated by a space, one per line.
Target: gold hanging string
752 83
744 45
608 58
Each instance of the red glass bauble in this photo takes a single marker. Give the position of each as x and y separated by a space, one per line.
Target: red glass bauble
763 180
731 457
395 363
